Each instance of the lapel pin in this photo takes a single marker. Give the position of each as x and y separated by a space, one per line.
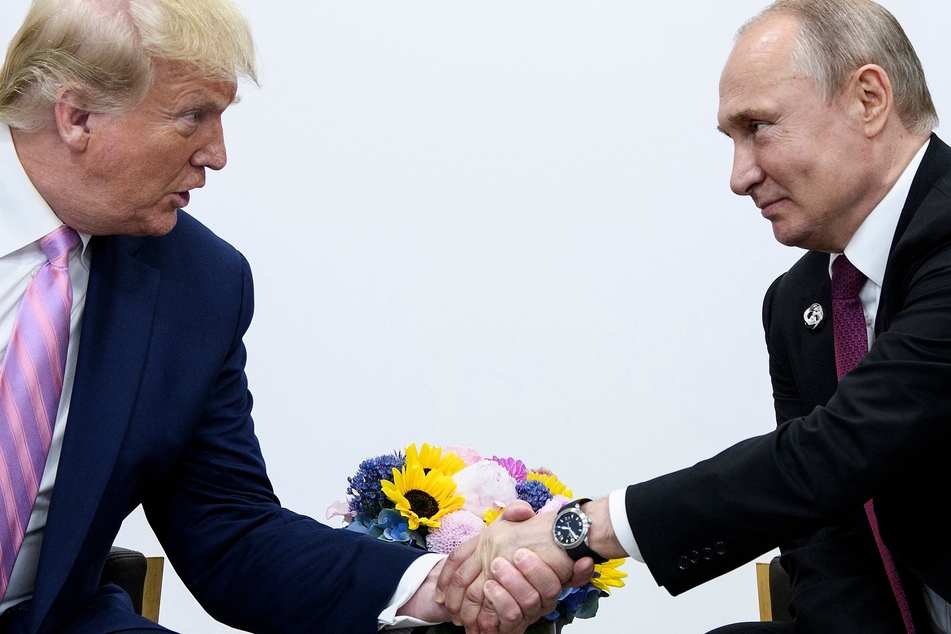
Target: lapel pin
813 316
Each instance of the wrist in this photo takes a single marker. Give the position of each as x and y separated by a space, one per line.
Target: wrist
601 537
422 605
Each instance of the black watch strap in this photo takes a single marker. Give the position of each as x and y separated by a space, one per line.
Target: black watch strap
582 550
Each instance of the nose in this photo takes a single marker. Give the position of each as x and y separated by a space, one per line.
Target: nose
747 172
212 153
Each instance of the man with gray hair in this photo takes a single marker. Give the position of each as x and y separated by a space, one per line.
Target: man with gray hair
831 121
121 325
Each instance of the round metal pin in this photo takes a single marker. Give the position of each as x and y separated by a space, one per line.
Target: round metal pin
813 316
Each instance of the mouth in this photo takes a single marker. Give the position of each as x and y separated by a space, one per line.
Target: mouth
769 208
181 198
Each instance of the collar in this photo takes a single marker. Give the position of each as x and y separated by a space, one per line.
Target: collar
26 216
869 247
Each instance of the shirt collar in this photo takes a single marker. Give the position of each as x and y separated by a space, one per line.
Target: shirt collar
869 247
26 216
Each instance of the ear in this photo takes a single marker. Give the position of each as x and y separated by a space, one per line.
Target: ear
873 93
72 121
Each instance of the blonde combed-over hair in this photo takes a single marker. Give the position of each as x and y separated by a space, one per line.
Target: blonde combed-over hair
103 52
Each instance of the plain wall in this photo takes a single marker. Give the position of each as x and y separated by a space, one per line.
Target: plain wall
506 225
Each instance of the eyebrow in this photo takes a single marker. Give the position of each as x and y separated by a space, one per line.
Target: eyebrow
741 118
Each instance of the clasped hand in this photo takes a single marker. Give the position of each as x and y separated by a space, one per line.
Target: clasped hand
508 576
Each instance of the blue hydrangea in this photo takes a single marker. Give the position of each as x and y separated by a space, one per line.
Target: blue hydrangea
366 494
576 602
533 492
392 527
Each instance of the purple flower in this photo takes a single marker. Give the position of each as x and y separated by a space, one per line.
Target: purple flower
533 492
516 468
366 495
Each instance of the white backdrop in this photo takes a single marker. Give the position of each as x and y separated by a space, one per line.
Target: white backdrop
507 225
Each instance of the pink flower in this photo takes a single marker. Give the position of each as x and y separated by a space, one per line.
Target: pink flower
555 503
516 468
454 528
485 485
340 508
468 455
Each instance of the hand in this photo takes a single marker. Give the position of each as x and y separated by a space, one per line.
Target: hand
422 604
468 583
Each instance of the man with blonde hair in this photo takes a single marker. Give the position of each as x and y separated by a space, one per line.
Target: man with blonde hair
121 325
831 121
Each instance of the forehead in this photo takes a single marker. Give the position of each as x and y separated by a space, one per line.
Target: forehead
760 67
176 85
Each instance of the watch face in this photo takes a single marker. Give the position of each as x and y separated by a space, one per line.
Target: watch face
569 529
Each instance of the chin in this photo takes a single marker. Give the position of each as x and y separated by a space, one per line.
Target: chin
786 237
159 225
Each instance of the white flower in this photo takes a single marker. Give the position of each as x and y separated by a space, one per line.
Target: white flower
485 485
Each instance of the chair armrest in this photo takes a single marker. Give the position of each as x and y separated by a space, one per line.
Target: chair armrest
139 576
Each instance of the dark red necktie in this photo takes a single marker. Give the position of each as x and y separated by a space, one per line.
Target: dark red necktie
851 344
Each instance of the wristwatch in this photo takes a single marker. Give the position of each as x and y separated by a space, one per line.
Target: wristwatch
571 531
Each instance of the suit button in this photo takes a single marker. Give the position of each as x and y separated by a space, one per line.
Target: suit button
720 548
683 563
707 554
694 557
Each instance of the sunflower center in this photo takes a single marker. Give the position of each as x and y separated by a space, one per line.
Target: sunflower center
422 503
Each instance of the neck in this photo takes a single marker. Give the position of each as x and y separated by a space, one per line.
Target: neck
42 157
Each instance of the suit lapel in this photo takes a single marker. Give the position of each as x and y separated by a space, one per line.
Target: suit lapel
923 226
813 356
117 323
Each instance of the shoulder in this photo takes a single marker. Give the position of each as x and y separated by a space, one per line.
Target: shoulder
190 263
190 245
804 279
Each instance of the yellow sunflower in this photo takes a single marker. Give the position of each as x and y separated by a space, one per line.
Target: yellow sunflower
491 515
550 480
607 575
422 498
430 457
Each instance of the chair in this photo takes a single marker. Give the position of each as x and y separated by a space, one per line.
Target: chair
139 576
775 591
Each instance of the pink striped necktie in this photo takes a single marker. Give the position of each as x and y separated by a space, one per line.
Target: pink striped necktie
851 344
31 381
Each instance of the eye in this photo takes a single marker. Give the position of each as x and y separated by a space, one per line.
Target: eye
756 126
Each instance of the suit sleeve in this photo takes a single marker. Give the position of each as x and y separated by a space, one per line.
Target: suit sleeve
880 435
251 563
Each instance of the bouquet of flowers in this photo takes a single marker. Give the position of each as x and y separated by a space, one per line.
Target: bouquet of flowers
435 498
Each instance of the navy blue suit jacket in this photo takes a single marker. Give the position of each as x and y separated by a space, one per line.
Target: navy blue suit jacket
161 416
882 432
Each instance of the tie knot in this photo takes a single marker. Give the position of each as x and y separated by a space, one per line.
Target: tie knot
56 245
847 280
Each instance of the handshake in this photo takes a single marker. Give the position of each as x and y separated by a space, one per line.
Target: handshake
512 573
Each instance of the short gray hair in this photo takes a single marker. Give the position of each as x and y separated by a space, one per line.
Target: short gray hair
837 37
105 51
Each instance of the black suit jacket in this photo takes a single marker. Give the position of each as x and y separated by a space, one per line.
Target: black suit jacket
161 416
882 432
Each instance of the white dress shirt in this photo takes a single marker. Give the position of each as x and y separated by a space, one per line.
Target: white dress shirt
26 218
868 251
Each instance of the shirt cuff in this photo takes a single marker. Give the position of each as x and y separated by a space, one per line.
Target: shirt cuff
617 504
410 582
